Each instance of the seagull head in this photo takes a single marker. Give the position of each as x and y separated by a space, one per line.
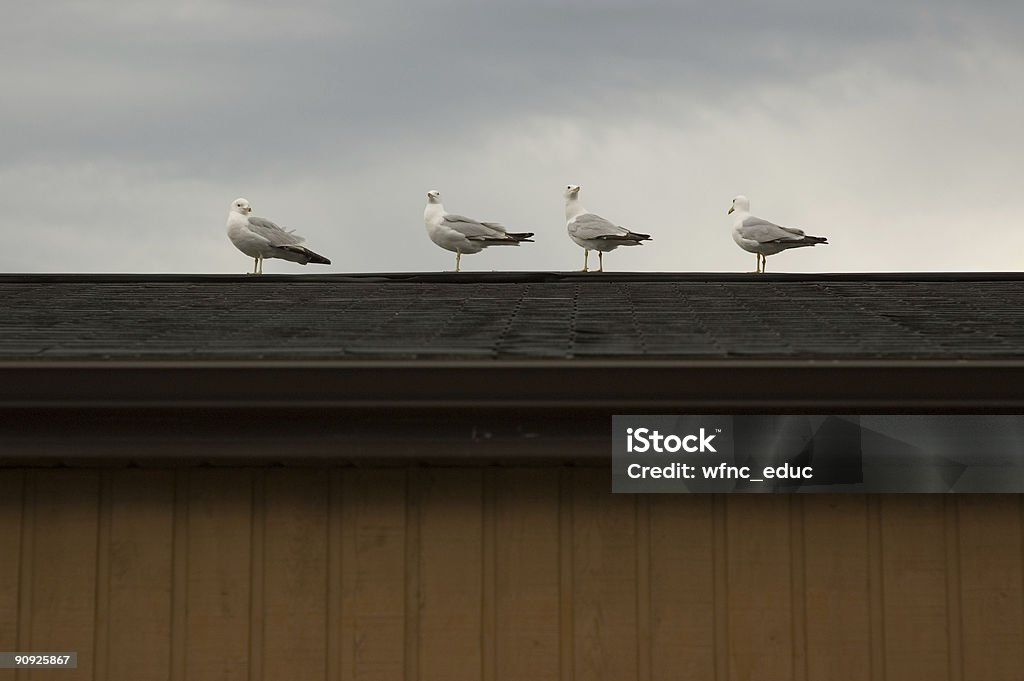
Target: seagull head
433 196
572 191
241 206
740 203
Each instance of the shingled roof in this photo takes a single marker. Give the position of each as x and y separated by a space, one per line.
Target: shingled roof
476 367
502 316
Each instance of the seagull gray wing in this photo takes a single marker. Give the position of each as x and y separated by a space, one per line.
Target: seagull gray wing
590 226
275 235
472 229
764 232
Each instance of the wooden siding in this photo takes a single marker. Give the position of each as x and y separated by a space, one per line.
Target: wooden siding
498 574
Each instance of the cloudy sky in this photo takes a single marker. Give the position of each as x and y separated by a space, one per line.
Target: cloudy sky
894 128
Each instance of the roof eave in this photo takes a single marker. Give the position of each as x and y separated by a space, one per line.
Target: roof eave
617 385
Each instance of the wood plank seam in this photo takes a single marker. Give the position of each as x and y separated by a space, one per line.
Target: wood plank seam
720 585
567 649
257 573
798 588
876 587
179 576
101 611
27 571
642 523
412 575
488 580
334 575
954 603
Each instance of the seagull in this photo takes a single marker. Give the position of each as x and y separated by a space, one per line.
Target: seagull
260 238
764 238
460 234
593 232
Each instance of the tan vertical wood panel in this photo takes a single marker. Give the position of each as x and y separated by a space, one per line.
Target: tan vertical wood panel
489 578
991 575
720 561
604 607
257 560
798 586
179 577
682 587
954 615
566 580
140 568
413 591
219 535
26 566
876 586
101 616
64 569
542 573
11 500
836 577
450 574
914 570
642 548
339 652
295 575
376 505
527 579
759 597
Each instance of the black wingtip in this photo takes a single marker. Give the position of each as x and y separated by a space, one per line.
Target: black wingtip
316 258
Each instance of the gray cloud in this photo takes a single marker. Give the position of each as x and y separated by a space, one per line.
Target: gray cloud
152 114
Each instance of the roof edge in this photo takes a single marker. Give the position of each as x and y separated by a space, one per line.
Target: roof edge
620 386
509 277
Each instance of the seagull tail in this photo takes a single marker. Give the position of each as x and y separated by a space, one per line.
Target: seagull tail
520 236
308 256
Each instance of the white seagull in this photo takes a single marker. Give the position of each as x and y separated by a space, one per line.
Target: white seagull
765 238
460 234
260 238
593 232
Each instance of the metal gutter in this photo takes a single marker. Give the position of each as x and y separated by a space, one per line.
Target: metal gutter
610 385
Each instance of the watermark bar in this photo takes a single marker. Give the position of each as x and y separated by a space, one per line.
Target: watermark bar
818 454
38 660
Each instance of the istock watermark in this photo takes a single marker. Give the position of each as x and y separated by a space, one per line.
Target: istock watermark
641 440
818 453
669 453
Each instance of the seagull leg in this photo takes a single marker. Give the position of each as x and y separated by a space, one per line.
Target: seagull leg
458 259
764 264
600 259
586 260
757 263
261 264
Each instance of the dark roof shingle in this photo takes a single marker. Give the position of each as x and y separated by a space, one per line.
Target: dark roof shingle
512 315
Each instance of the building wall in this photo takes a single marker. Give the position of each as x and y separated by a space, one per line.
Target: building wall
495 574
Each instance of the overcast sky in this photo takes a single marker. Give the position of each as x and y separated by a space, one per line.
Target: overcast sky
894 128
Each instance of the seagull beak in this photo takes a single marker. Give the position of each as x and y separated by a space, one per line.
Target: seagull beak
731 209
